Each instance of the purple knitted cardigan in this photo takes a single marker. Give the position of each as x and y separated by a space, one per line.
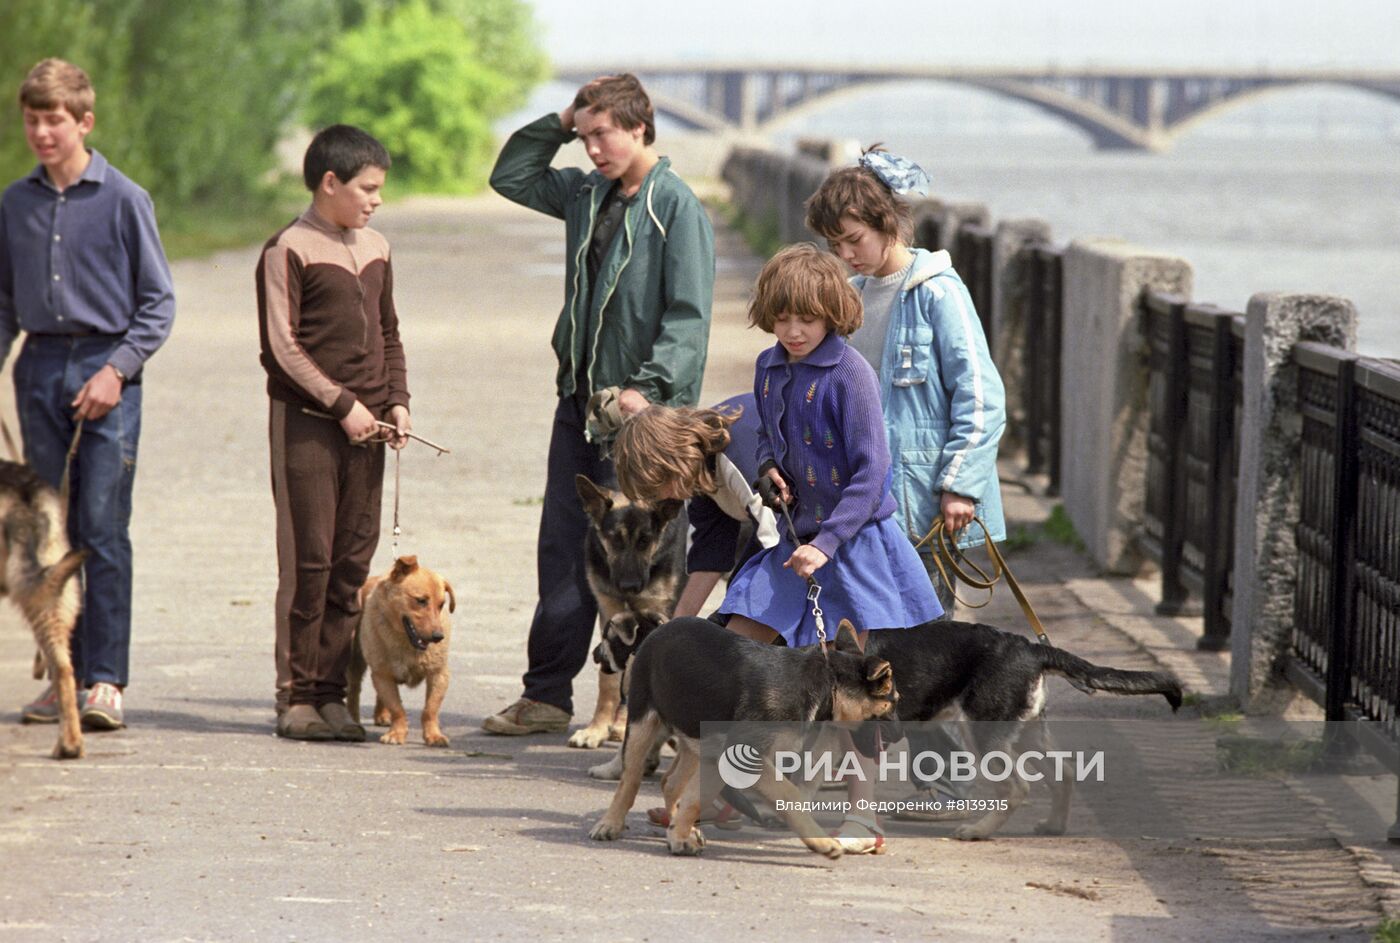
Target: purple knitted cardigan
823 426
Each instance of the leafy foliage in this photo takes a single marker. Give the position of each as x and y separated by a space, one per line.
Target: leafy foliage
193 98
427 80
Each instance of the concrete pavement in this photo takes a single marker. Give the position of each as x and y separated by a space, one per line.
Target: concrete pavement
196 823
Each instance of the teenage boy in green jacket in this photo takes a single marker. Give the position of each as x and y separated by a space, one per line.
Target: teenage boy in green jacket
638 283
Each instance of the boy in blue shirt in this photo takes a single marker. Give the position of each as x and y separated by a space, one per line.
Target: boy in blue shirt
83 274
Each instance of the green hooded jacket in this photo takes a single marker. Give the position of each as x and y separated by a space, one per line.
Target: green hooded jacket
651 314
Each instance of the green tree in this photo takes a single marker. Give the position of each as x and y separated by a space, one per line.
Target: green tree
191 97
428 79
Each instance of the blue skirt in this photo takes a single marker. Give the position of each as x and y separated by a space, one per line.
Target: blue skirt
876 580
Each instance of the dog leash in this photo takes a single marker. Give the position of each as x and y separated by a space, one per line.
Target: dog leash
768 492
386 430
947 555
18 458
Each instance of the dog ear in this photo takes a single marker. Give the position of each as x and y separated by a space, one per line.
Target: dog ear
665 511
846 639
403 566
879 677
451 596
596 500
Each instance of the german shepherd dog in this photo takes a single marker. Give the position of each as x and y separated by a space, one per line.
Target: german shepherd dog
37 566
634 556
691 671
996 680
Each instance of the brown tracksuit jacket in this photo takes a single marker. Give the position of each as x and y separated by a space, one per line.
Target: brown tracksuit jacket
310 275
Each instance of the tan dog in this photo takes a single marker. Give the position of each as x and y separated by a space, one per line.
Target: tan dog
403 638
36 570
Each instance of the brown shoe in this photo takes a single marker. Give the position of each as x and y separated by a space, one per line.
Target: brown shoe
527 716
337 717
303 722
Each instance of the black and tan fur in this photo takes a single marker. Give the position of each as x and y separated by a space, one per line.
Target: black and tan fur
403 637
951 671
691 671
634 557
37 570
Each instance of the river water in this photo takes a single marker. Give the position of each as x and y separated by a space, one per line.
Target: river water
1298 191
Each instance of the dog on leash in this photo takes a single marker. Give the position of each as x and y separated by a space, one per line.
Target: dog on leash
691 671
37 570
634 557
403 637
996 680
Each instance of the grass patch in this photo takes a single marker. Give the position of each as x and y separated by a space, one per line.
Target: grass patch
1252 756
197 230
528 502
1059 528
1387 932
761 235
1020 537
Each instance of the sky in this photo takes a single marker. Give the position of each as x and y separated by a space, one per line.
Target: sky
1281 34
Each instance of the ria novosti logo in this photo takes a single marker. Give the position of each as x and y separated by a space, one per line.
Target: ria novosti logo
740 765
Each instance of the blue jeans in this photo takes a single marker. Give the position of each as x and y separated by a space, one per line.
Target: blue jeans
48 374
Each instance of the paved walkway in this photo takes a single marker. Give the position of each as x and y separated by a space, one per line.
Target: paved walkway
196 823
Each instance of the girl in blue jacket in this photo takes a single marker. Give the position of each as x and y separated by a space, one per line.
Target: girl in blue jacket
943 401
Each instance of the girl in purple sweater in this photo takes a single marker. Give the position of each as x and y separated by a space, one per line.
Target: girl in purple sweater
823 443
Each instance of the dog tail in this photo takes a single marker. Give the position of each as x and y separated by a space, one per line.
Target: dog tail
1087 675
55 576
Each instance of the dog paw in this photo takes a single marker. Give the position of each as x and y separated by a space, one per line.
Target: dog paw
588 738
65 751
617 732
382 718
1049 828
611 771
607 831
692 844
828 847
968 833
436 740
394 737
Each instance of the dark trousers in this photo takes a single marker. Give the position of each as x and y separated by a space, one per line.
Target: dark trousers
563 624
327 494
48 374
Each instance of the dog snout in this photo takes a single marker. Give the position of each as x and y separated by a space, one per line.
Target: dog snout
435 637
630 584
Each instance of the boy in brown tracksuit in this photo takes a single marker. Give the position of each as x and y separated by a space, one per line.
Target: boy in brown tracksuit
330 345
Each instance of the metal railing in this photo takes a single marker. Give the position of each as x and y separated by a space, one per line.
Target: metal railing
1194 357
1041 366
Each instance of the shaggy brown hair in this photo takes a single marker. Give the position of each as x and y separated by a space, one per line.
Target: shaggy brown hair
859 193
805 281
54 83
660 447
623 97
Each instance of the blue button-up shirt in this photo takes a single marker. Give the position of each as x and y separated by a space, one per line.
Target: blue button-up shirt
84 261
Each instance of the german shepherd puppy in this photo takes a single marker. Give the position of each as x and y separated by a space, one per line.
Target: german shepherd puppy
967 670
691 671
403 637
36 566
634 556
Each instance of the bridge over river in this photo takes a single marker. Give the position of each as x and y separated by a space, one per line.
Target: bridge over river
1136 109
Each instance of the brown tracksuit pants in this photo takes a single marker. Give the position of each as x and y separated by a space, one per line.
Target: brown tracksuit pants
327 493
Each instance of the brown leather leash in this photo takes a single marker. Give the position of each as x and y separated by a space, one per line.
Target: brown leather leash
947 556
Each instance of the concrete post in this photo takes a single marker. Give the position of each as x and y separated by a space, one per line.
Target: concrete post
1103 433
947 217
1010 293
1267 504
